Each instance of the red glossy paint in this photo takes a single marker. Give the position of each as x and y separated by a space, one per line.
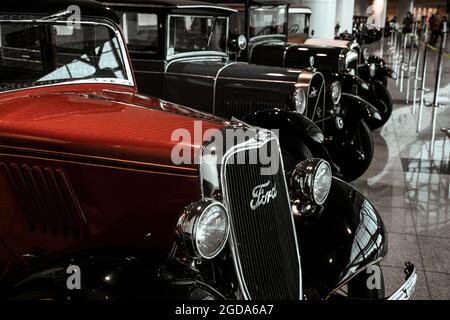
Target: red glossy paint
114 147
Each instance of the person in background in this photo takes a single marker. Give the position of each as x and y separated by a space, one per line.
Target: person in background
407 23
435 24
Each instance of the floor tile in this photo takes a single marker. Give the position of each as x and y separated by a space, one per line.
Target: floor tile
402 248
398 220
439 285
435 253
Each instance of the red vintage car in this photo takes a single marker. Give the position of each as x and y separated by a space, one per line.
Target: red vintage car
108 194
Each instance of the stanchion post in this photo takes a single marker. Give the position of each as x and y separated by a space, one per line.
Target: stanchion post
402 61
416 76
435 105
409 66
422 86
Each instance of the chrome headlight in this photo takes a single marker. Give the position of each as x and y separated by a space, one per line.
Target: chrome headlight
203 228
336 92
365 54
300 101
372 70
311 180
242 42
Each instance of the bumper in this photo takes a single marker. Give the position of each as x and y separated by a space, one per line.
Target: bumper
407 289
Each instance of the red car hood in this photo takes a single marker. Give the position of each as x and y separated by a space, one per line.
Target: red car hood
98 121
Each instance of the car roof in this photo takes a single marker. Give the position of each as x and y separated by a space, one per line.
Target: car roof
48 7
170 4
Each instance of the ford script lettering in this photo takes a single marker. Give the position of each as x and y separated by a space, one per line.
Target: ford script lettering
262 195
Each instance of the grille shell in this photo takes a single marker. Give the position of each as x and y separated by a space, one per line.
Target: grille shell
272 269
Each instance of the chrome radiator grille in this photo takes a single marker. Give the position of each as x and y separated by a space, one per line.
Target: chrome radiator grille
316 98
262 239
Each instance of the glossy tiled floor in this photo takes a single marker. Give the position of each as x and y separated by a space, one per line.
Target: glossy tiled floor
410 187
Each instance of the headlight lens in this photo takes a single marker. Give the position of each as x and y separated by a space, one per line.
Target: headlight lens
365 54
242 42
203 228
311 180
322 182
372 69
300 101
336 92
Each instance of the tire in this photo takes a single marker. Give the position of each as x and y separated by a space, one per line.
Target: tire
383 102
362 140
358 289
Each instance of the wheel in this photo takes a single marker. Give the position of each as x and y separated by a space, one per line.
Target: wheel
383 102
365 285
353 151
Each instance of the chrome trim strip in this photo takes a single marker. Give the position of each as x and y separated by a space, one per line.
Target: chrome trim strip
259 80
248 145
407 289
146 5
215 83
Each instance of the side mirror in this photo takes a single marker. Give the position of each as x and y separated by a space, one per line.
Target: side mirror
238 43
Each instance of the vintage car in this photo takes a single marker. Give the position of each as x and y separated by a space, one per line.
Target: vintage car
266 23
183 44
95 203
298 28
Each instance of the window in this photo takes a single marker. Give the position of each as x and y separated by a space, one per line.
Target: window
141 31
39 53
197 33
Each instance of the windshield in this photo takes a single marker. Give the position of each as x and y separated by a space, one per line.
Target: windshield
197 33
42 52
268 20
298 24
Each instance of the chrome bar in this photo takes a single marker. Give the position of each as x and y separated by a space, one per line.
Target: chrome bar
407 289
422 87
435 105
416 76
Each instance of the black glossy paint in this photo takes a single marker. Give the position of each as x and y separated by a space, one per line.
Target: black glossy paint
333 247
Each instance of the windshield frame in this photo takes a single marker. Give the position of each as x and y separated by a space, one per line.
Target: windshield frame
130 81
221 54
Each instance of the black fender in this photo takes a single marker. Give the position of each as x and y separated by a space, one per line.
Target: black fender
295 132
357 108
349 81
347 237
381 71
113 274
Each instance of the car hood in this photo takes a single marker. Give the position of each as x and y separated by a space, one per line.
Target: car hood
290 55
219 69
101 122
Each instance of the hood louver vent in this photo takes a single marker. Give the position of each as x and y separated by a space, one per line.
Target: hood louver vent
48 200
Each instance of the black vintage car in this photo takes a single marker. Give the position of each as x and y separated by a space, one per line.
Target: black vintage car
265 23
183 44
90 188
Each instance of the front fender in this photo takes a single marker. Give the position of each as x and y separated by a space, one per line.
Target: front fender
382 70
349 81
348 236
295 132
358 108
115 274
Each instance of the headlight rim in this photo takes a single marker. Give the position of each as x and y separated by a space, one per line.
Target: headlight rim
365 54
303 179
372 70
188 223
333 85
302 109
